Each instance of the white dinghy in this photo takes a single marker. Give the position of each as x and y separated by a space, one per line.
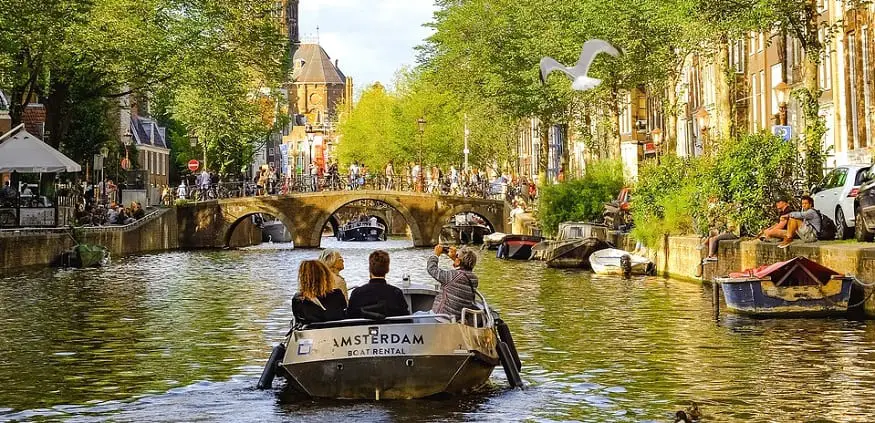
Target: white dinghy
612 261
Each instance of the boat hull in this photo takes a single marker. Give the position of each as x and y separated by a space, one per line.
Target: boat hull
762 298
607 262
390 361
574 254
362 234
517 247
275 232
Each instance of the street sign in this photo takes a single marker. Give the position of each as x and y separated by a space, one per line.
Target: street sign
193 165
784 132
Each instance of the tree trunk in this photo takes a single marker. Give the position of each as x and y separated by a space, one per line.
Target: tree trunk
566 153
723 99
616 150
671 124
543 156
57 111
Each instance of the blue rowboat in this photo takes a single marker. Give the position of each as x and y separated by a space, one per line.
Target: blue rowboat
793 288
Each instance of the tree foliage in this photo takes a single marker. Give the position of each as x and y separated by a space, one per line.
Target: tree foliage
580 199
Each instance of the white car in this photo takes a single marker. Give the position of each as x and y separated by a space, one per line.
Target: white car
835 195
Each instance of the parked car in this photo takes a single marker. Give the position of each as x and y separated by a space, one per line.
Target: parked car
617 213
836 195
864 207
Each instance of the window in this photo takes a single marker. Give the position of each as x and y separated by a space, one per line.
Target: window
777 74
754 122
761 42
753 43
825 66
737 55
852 68
763 118
867 81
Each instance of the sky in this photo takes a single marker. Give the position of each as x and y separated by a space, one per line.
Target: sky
372 39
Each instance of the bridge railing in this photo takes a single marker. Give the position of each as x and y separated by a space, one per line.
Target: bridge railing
311 183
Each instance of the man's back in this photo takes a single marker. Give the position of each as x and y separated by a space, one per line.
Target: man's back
379 297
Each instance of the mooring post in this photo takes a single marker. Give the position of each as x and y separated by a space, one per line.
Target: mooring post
715 298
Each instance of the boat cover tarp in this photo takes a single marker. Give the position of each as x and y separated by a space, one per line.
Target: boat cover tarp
804 268
90 255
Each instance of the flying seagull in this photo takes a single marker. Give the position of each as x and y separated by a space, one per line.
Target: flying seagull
578 72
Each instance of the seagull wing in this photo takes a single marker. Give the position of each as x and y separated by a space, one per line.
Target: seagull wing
590 50
548 65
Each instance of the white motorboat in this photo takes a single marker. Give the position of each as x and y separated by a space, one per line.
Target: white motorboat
611 262
395 357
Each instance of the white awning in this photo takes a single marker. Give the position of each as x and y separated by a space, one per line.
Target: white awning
24 153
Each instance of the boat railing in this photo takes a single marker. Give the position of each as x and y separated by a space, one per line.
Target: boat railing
484 307
361 322
354 225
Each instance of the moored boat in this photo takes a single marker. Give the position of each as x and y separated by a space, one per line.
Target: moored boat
463 234
275 231
573 253
612 261
795 288
393 358
517 247
493 240
362 231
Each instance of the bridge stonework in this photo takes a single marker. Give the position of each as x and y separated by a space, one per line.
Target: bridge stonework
210 224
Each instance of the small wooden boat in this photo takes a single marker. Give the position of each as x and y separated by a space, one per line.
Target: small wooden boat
517 247
793 288
609 262
576 230
362 231
395 357
493 240
573 253
84 256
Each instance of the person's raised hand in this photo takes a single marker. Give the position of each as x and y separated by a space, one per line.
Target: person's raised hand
452 253
438 249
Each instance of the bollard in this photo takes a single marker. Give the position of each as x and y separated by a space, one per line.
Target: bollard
715 298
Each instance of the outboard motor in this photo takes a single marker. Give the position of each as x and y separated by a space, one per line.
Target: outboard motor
626 266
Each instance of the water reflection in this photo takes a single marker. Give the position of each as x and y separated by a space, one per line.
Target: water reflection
183 336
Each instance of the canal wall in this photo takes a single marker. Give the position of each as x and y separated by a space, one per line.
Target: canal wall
679 257
159 231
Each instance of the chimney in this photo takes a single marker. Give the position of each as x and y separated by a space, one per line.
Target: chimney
5 122
34 119
336 62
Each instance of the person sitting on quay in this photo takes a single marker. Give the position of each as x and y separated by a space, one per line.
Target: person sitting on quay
137 211
804 225
317 300
377 296
457 285
334 261
778 230
720 227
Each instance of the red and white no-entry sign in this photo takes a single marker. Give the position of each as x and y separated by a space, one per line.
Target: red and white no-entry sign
193 165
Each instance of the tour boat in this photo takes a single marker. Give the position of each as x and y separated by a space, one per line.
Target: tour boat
395 357
571 253
493 240
275 231
463 234
517 247
612 261
362 231
793 288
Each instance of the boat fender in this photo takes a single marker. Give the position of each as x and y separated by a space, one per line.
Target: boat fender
626 266
510 370
505 336
270 369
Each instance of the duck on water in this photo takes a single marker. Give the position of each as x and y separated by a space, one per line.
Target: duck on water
394 342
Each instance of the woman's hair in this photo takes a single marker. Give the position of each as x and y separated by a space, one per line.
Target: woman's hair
314 279
329 256
467 259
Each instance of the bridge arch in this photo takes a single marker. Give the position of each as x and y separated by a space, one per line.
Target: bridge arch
341 202
251 210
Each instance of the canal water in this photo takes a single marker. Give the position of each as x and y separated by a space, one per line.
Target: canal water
183 336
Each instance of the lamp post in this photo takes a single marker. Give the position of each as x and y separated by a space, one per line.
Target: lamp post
703 119
104 152
782 91
421 123
656 136
127 140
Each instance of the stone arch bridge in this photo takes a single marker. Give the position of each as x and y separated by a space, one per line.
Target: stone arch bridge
210 224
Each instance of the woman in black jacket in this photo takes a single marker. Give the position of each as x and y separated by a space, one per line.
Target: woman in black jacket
316 300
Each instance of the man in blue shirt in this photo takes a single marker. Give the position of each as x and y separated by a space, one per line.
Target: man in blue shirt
804 224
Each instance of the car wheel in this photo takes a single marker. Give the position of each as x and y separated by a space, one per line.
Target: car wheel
842 229
861 231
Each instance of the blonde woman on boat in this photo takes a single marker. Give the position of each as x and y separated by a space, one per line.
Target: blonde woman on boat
334 261
317 300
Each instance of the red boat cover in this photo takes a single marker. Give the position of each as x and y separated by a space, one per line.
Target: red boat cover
778 270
